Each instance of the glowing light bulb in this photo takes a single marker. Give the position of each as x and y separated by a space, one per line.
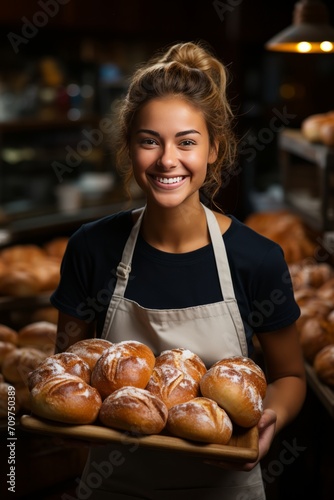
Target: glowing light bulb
304 47
326 46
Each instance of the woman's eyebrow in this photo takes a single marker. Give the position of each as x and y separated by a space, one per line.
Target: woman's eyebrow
156 134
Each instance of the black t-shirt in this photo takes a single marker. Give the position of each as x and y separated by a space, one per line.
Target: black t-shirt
161 280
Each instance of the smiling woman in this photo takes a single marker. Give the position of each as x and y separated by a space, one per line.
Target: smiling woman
183 276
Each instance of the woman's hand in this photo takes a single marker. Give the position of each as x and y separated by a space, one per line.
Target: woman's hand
266 427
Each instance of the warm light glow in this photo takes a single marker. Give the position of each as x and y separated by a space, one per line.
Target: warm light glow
326 46
287 91
304 47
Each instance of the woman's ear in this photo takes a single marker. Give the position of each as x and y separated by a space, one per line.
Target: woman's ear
213 153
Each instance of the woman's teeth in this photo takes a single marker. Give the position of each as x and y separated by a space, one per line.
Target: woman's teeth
170 180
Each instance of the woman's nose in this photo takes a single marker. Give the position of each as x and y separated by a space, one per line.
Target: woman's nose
168 158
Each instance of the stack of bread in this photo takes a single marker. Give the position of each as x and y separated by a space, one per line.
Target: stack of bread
126 387
286 229
29 269
22 351
313 284
319 128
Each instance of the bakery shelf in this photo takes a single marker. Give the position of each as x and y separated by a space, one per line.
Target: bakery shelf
324 393
308 179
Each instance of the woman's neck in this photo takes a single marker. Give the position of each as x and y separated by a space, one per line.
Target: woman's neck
176 230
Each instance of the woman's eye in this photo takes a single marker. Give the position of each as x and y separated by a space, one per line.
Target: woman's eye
187 142
149 142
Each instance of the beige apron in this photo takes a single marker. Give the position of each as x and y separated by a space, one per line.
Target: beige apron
213 331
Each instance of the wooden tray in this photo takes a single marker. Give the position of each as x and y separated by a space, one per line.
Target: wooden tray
243 445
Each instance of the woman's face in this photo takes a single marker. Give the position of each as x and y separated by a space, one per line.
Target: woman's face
170 150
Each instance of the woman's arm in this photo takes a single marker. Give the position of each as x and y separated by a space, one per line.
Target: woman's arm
285 371
71 330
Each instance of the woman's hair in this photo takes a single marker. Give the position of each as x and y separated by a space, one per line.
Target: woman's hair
189 71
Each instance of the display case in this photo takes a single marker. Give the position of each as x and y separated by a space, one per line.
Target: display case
307 171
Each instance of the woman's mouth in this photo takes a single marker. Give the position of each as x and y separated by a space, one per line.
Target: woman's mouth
168 180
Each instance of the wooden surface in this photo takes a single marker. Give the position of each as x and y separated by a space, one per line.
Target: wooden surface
243 445
324 393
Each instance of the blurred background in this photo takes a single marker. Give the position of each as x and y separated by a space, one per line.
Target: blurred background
64 62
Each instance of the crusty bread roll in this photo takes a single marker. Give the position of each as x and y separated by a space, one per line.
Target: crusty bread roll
90 350
200 419
326 132
135 410
5 349
23 253
40 335
19 283
64 362
310 126
176 376
47 274
324 364
19 363
238 385
65 398
315 334
124 363
8 334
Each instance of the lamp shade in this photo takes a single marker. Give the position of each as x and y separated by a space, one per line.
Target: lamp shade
310 31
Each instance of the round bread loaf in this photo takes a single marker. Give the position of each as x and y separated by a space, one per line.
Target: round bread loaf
23 253
7 334
19 283
124 363
64 362
238 385
40 335
315 334
56 247
65 398
135 410
200 419
90 350
176 376
324 364
19 363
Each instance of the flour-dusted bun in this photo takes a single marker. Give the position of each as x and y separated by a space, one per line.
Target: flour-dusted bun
200 419
238 385
8 334
40 335
124 363
90 350
135 410
324 364
176 376
315 334
65 398
64 362
19 363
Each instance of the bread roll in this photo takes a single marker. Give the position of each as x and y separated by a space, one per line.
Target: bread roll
324 364
124 363
40 334
200 419
23 253
19 363
65 398
238 385
326 132
7 334
90 350
56 247
5 349
176 376
135 410
19 283
315 334
64 362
